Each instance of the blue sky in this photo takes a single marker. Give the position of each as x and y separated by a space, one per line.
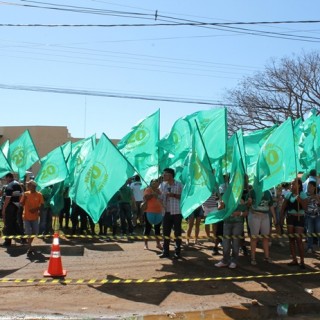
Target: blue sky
181 62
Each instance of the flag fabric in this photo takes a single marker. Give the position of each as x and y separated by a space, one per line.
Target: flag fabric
5 148
4 165
317 145
22 154
57 198
175 147
232 196
199 181
252 145
277 157
53 168
80 152
297 133
105 172
213 129
308 142
140 147
66 149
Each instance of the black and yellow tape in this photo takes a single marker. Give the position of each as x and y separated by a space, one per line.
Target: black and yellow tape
148 281
141 237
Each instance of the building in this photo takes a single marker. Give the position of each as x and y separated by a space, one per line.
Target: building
45 138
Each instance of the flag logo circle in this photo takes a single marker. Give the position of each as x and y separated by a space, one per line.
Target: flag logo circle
96 178
49 172
138 138
18 156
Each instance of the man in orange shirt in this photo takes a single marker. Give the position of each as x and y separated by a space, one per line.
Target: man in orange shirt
31 202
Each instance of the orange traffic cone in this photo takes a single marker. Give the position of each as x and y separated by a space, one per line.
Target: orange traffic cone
55 263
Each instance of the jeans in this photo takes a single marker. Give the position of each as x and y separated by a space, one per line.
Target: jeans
45 225
125 217
313 226
172 221
229 230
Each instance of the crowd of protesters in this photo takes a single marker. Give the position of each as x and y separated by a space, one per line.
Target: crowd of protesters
295 206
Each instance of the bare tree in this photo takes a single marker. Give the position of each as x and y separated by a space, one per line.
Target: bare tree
286 88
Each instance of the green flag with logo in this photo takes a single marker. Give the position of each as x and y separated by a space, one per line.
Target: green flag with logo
277 157
53 168
22 154
105 172
233 193
253 142
200 181
140 147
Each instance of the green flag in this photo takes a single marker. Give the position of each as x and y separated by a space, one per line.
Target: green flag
308 142
22 154
252 145
80 151
4 165
213 129
105 172
53 168
57 198
297 133
140 147
199 181
277 157
233 194
5 148
66 149
174 148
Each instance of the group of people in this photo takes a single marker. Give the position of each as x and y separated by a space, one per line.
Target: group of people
158 206
287 205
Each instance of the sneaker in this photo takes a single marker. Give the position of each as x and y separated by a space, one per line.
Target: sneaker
267 260
221 264
253 262
232 265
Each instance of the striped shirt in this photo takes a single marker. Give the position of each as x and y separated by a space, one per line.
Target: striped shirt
171 204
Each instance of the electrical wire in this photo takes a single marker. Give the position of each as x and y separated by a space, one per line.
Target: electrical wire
111 94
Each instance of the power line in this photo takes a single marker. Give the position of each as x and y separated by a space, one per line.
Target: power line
111 94
173 24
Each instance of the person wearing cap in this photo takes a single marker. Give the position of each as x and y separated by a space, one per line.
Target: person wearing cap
31 201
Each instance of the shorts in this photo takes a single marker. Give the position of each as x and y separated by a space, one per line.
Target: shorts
198 213
259 223
296 221
31 227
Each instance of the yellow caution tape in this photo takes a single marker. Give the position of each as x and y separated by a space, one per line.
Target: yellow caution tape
141 237
140 281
